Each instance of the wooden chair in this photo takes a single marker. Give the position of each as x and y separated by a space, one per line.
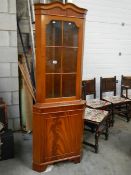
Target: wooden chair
89 89
96 121
125 86
120 105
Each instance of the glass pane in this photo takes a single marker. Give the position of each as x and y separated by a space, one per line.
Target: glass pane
69 63
53 60
69 85
54 33
52 86
70 36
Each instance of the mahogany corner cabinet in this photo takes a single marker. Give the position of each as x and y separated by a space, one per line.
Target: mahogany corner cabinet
59 110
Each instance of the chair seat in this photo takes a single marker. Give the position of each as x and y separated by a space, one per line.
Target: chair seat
95 115
96 103
116 99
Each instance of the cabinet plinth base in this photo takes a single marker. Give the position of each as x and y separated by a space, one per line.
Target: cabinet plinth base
39 167
42 167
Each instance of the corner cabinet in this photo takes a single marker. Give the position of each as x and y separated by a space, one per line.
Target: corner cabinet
58 113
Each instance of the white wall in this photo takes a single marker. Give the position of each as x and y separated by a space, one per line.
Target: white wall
9 89
105 38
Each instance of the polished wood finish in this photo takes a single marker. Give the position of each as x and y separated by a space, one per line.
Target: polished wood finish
55 137
59 111
43 19
60 9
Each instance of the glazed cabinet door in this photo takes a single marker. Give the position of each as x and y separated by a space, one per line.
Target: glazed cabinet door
53 58
69 61
61 72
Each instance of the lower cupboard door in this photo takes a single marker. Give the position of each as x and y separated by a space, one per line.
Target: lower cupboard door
62 135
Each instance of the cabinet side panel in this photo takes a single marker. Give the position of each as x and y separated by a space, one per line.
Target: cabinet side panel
37 138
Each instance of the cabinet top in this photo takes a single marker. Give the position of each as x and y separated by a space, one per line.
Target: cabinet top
60 9
41 107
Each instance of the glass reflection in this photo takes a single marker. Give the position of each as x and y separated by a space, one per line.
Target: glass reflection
54 33
70 34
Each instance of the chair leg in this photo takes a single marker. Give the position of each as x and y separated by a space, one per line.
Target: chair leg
96 141
113 121
92 129
128 111
107 130
109 124
110 119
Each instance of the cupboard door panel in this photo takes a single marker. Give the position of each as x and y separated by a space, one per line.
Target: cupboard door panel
62 139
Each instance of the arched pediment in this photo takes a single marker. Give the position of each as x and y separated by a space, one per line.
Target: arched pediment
60 9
